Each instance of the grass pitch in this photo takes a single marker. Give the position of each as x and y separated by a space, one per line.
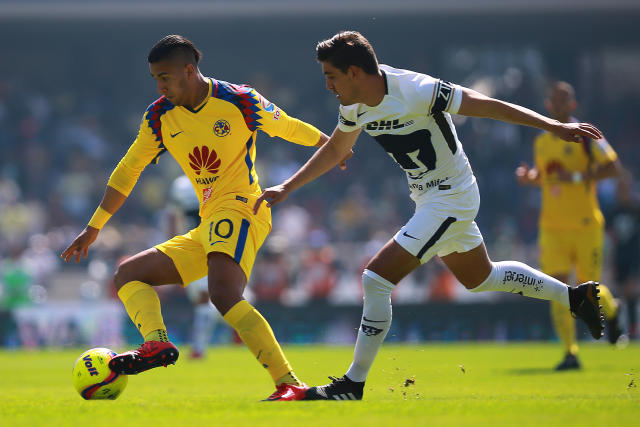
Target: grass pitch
426 384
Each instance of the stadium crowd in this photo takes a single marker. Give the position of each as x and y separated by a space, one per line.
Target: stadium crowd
58 145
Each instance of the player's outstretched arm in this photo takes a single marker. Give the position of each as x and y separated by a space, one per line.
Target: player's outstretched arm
474 104
111 202
336 150
343 163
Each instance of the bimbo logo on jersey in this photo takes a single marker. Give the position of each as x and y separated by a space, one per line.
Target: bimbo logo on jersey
204 158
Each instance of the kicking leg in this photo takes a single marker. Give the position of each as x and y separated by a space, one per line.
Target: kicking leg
477 273
134 279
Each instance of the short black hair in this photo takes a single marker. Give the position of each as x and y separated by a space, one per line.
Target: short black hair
172 47
348 48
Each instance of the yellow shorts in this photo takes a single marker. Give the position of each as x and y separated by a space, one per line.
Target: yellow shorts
561 251
232 229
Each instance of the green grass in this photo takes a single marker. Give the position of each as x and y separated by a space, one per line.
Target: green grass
455 384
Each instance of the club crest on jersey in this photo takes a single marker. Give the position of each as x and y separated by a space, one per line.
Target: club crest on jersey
204 159
222 128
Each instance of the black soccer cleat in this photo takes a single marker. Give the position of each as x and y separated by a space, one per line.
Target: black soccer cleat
339 389
570 362
583 302
149 355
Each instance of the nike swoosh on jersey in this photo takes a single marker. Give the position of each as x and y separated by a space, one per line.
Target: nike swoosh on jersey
372 321
217 241
364 112
409 236
173 135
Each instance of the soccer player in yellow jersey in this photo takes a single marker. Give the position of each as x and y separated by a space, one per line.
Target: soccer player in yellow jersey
571 223
209 126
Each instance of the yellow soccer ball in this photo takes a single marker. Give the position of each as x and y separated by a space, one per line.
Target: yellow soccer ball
92 377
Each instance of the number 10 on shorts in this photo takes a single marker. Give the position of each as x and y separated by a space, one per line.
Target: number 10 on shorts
220 231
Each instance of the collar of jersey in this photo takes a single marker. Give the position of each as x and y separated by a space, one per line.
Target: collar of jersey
204 101
386 84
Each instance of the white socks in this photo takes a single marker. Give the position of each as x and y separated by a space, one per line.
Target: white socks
376 321
506 276
518 278
204 318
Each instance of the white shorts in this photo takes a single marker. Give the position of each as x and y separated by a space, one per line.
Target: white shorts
442 224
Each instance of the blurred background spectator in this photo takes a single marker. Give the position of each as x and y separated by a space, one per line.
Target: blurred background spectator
74 84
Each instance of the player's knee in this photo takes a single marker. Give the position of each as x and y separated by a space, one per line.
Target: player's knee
474 278
120 277
224 295
123 275
216 292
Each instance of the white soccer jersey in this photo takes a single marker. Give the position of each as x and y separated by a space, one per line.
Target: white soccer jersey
413 125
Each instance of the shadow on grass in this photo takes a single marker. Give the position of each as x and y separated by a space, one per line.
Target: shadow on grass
533 371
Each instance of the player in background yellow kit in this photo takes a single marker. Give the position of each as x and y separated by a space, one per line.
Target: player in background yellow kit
571 224
209 127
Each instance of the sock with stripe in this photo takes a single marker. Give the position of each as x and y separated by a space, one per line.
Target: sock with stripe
376 322
143 307
518 278
257 335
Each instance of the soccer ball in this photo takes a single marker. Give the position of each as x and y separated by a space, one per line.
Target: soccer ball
92 377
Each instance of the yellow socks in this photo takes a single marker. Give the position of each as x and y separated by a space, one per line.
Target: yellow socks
257 335
565 327
609 305
288 378
143 306
157 335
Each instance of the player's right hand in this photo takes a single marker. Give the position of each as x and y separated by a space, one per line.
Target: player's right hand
271 195
576 132
80 246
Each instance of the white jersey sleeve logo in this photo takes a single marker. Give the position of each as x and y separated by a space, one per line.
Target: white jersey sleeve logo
413 125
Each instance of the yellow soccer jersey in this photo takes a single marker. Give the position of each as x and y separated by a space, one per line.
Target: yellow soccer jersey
214 143
568 205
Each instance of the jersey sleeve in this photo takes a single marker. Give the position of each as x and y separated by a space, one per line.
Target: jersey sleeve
347 117
144 150
441 95
276 122
603 152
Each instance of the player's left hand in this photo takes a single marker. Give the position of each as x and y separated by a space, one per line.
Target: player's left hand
576 132
271 195
80 246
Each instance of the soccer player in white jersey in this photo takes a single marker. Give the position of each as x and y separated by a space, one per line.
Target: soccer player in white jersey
408 114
